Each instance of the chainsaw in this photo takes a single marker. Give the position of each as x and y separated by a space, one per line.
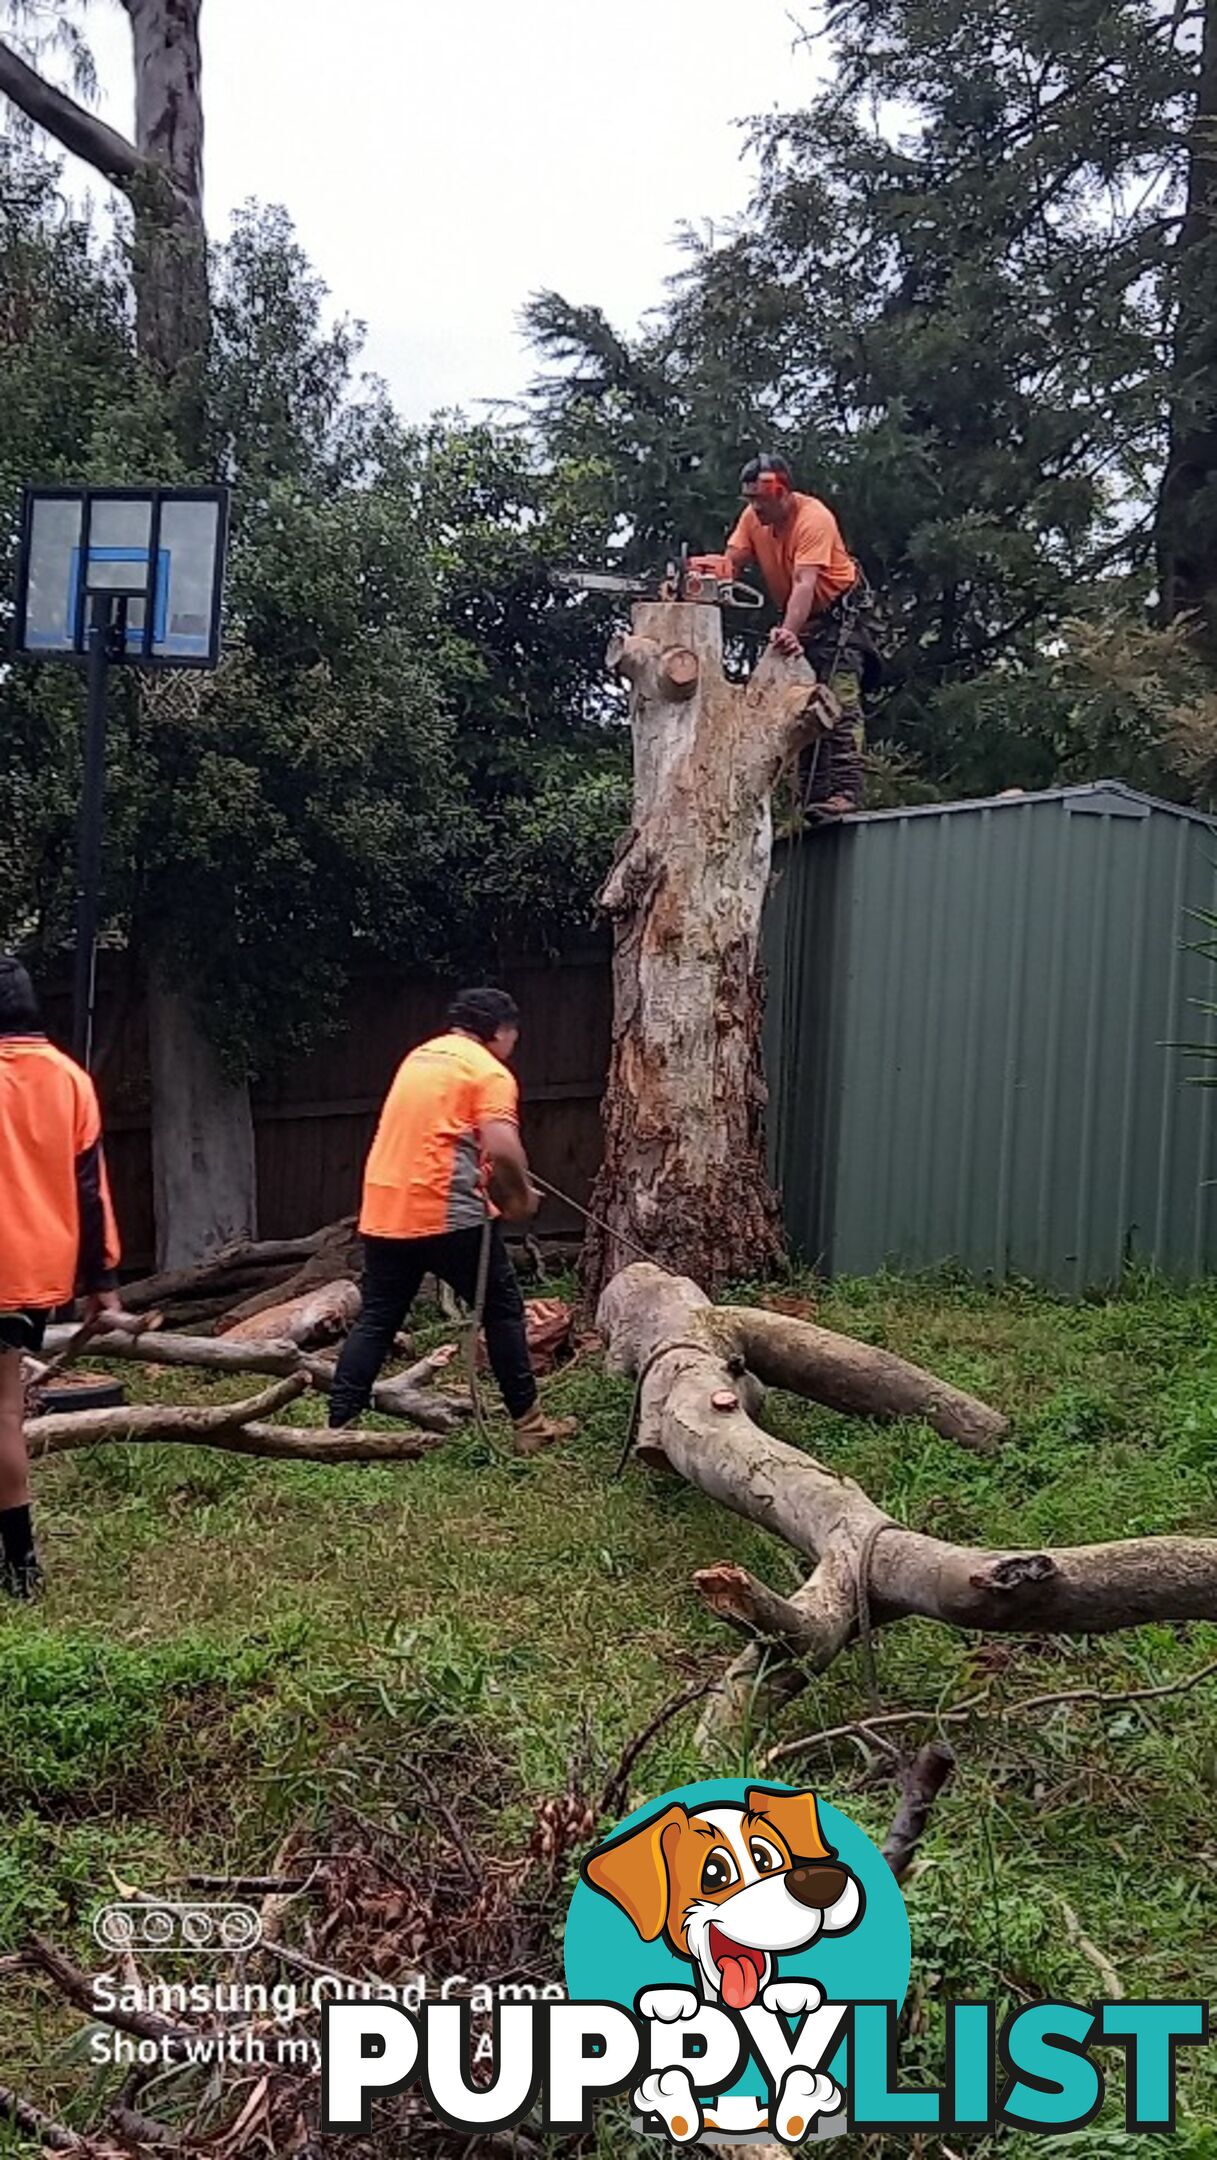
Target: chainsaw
703 578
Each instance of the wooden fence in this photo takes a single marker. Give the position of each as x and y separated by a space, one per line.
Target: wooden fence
313 1123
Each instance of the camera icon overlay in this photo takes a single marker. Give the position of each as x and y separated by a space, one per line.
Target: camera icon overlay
161 1925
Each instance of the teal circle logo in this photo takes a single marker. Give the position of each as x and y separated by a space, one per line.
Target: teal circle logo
733 1891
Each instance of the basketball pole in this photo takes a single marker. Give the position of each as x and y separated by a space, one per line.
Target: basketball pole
88 861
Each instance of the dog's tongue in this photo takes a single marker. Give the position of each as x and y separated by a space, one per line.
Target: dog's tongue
738 1976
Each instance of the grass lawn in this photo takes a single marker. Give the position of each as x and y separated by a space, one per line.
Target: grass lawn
232 1650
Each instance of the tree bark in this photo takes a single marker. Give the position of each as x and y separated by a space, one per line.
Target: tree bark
204 1173
319 1316
684 1173
202 1132
173 304
1187 505
868 1568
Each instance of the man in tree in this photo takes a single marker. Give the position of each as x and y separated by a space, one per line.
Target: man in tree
796 544
449 1130
57 1231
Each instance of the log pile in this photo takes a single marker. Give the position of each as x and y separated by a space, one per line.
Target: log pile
246 1279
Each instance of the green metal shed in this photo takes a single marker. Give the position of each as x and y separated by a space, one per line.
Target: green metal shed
967 1038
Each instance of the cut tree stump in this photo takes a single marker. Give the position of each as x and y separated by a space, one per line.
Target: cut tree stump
867 1568
684 1173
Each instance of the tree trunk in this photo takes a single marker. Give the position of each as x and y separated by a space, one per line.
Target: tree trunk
173 304
204 1176
1187 504
204 1183
206 1191
684 1172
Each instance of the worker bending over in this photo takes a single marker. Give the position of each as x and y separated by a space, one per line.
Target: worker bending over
57 1234
449 1130
823 598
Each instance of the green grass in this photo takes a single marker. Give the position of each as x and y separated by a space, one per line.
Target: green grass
228 1648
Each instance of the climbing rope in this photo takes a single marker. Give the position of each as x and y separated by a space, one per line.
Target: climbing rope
862 1588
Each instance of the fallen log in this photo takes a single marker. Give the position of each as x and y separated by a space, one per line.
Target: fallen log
237 1428
658 1308
869 1570
856 1377
410 1395
243 1257
321 1315
337 1257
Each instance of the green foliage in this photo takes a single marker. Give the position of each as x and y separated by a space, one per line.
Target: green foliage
948 306
407 748
81 1714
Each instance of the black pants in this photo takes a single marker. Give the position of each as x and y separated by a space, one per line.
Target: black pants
393 1268
23 1328
833 765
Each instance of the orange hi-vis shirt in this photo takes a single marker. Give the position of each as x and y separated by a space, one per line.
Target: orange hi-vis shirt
809 539
426 1173
57 1228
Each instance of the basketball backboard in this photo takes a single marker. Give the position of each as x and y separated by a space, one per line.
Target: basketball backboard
158 553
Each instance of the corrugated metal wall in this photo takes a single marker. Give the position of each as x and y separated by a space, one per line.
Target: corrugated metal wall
969 1009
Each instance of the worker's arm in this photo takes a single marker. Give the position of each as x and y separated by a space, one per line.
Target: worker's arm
739 551
788 637
504 1150
98 1252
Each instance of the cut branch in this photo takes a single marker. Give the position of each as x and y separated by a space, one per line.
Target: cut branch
409 1395
79 131
923 1781
856 1377
78 1987
863 1556
236 1428
32 2123
296 1443
157 1421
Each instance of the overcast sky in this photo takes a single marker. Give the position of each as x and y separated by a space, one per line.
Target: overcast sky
442 159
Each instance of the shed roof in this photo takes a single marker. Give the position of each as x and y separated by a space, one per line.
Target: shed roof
1110 795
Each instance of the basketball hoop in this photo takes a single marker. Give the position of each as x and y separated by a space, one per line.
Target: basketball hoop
126 577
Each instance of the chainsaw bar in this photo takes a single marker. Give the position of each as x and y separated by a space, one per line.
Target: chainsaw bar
673 584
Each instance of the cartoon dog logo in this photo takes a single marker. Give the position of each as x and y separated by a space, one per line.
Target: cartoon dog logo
731 1888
